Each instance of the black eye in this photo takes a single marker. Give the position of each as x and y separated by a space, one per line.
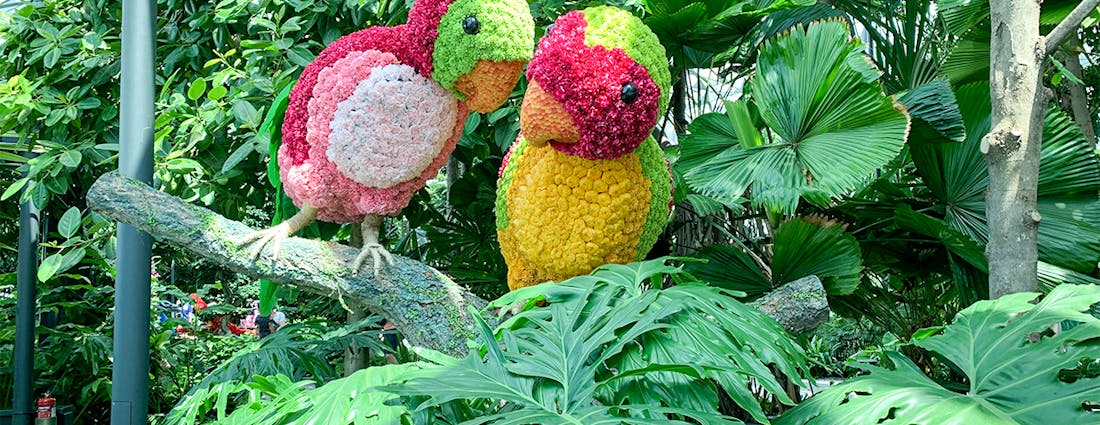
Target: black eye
630 92
471 25
551 27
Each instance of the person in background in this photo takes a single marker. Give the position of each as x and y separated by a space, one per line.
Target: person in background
278 318
249 321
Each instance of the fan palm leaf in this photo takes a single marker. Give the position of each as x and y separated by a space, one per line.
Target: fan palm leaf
1069 184
830 125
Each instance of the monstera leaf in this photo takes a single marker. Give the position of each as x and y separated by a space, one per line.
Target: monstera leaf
606 350
1069 184
828 125
1017 372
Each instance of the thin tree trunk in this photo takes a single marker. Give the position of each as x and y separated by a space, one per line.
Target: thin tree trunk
1078 99
355 359
679 102
1012 146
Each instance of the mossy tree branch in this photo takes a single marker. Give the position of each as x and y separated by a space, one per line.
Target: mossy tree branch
427 307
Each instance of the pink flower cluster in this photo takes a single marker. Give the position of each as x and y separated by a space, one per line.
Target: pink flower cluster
307 173
588 81
320 182
411 43
392 127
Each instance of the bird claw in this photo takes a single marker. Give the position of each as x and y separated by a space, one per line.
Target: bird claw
376 253
260 239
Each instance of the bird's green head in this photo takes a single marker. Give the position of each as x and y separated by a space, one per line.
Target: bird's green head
481 48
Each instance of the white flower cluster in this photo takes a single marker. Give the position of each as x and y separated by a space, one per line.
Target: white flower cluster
392 127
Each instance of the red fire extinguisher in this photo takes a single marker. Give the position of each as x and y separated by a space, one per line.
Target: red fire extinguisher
47 411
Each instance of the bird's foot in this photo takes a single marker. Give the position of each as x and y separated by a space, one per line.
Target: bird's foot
376 253
274 236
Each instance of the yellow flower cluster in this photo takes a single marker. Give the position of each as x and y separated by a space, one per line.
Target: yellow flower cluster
568 215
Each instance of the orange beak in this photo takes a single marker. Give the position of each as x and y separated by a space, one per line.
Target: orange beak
543 119
489 84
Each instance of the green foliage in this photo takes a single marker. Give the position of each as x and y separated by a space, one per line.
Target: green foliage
802 248
354 399
1017 370
296 351
606 350
1069 181
826 135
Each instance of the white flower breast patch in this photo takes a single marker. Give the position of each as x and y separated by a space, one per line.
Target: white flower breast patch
392 127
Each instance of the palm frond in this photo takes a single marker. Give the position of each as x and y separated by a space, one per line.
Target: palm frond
832 126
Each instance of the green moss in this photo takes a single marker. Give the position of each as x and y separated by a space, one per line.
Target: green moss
507 33
655 170
617 28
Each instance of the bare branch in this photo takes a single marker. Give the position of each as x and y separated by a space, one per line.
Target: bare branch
1068 25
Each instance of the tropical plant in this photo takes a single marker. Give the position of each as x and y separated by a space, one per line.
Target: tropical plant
823 137
1018 370
609 347
802 247
608 350
297 351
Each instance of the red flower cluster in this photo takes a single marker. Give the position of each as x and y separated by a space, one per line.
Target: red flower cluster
589 81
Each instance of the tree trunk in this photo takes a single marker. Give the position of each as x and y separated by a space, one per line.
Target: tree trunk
1012 147
1013 144
355 359
679 102
1078 98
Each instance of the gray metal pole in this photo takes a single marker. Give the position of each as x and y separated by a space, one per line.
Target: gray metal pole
23 398
130 376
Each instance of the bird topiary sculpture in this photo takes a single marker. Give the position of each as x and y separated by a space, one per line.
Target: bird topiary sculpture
585 184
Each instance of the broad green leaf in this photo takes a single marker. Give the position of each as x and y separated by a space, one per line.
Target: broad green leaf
217 93
355 399
49 267
183 165
88 103
956 242
589 356
71 259
1069 183
1012 365
742 122
300 56
239 155
246 113
831 126
1067 74
14 188
70 159
196 89
69 223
